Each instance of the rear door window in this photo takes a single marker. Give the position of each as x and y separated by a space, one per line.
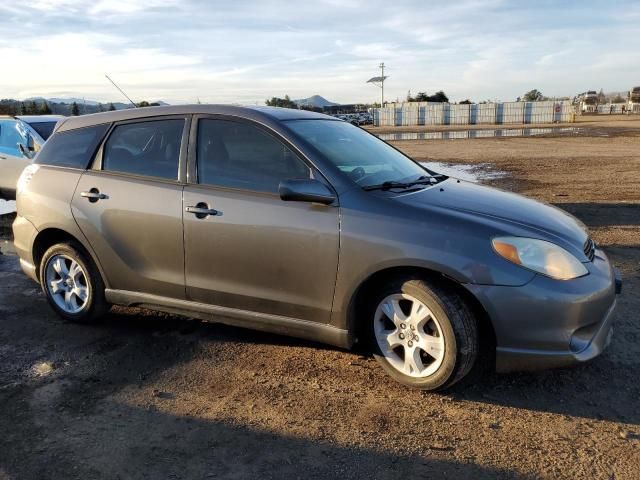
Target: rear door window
150 149
72 148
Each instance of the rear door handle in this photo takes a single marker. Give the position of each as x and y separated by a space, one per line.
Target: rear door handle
94 195
201 210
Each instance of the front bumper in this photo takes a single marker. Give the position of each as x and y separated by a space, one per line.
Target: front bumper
549 323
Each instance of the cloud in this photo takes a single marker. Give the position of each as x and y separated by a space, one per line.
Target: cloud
245 51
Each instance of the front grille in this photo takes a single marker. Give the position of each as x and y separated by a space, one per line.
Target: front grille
590 249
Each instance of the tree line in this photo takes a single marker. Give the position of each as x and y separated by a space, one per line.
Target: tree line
43 107
438 97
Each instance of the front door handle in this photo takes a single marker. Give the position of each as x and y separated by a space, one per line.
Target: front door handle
201 210
94 195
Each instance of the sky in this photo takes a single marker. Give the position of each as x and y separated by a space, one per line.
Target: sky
182 51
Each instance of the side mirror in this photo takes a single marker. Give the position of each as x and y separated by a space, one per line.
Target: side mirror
29 149
306 191
25 151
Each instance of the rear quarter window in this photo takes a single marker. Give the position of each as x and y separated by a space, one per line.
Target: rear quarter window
73 148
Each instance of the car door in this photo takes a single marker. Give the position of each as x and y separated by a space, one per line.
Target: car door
256 252
12 161
129 206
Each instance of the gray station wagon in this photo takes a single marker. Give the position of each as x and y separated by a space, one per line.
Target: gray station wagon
300 224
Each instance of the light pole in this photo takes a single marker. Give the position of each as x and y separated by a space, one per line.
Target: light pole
379 82
382 83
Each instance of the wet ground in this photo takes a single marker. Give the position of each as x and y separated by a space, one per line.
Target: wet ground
143 395
471 172
487 133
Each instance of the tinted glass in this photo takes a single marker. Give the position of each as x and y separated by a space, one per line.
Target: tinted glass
10 136
151 149
74 148
366 159
44 129
239 155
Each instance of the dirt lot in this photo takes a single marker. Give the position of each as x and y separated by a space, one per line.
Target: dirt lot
144 395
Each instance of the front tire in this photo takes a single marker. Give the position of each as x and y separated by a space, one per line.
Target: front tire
72 284
423 335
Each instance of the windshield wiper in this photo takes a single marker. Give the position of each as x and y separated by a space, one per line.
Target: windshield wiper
388 185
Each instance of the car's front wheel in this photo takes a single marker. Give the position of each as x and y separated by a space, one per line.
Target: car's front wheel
423 335
72 283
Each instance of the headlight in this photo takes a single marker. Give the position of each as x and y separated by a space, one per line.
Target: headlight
539 256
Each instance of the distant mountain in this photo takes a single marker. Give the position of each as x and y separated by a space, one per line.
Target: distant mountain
58 106
89 103
315 101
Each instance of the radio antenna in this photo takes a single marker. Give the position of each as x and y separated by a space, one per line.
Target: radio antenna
121 91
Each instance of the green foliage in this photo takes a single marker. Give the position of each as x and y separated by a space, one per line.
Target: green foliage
144 103
285 102
618 99
8 107
311 108
439 97
534 95
45 109
75 110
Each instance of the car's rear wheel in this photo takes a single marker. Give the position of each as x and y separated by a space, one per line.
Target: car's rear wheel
72 283
422 334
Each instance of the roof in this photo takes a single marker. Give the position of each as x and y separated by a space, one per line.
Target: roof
39 118
251 112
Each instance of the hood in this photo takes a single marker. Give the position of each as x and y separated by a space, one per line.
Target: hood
541 220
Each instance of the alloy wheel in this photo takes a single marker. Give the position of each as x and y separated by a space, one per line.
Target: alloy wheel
66 282
409 335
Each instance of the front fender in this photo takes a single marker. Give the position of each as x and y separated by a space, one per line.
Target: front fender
451 244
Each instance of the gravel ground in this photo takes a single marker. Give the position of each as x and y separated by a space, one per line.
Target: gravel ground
145 395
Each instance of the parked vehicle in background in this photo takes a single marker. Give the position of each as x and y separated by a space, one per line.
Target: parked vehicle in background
355 118
587 102
294 222
634 100
21 137
365 118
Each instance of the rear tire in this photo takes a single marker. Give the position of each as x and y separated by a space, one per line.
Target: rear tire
423 335
72 283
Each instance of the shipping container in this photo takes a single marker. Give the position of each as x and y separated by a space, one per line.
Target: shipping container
513 112
426 113
456 114
435 114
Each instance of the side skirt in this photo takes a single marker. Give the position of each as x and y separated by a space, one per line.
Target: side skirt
293 327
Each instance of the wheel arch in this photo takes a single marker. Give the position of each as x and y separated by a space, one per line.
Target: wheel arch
373 281
53 235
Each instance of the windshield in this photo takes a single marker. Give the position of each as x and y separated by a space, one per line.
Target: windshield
44 129
366 159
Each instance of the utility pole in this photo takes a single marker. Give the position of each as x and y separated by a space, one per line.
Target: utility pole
379 82
382 83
